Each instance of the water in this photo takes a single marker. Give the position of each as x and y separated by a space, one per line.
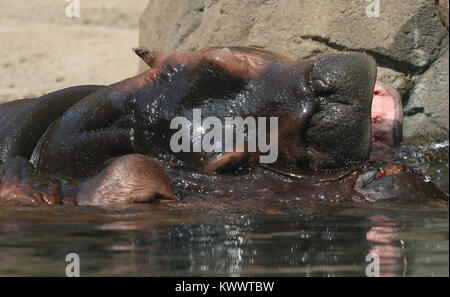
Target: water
430 160
154 240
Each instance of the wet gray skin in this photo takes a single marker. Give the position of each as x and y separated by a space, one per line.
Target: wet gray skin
323 105
23 122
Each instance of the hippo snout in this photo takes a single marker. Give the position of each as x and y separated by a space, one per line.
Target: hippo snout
347 78
339 132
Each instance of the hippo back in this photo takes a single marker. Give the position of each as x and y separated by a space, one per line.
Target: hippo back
23 122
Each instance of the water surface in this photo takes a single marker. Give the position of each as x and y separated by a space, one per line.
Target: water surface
155 240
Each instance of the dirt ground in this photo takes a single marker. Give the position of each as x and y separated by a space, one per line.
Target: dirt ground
42 50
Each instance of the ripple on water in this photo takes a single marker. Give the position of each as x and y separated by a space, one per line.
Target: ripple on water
431 160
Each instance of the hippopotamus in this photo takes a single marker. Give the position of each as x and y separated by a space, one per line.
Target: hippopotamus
101 145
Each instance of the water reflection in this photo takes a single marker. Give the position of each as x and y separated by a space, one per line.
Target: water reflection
383 240
149 242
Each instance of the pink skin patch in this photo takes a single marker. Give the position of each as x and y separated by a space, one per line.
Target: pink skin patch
387 119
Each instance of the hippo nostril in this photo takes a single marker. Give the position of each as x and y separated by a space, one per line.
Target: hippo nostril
321 88
324 93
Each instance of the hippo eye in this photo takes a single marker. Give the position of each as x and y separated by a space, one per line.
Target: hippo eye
321 88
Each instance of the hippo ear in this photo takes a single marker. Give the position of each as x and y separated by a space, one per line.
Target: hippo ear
162 59
237 64
146 55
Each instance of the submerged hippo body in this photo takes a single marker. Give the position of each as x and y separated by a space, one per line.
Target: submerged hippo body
105 140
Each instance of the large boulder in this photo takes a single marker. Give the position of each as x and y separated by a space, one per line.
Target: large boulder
442 6
407 37
427 110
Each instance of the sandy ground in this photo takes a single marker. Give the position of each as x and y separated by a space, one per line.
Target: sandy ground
42 50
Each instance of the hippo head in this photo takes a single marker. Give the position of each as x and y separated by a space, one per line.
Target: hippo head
323 103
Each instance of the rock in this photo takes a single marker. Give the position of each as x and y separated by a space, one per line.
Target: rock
402 82
406 32
443 10
406 37
426 113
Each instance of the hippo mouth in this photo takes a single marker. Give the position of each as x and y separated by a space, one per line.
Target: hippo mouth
387 121
386 118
